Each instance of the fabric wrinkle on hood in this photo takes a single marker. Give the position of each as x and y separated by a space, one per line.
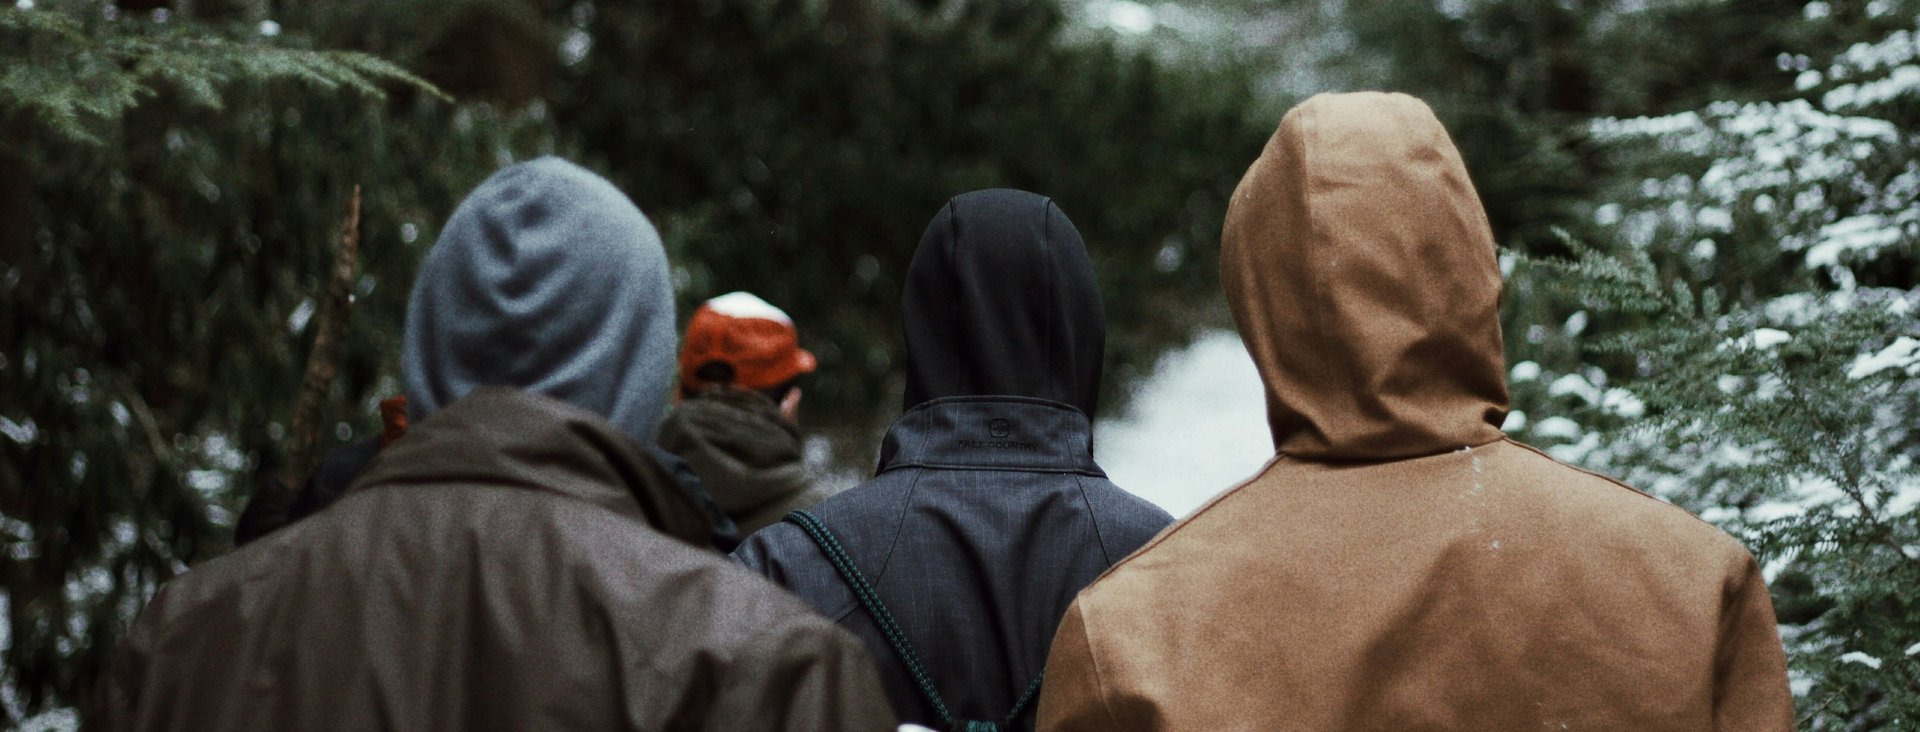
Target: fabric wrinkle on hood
1361 272
548 279
1001 300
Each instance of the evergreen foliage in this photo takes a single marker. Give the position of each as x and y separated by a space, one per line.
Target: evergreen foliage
169 196
1709 210
79 72
1754 351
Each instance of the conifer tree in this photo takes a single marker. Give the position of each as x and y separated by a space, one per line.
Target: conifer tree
171 190
1755 346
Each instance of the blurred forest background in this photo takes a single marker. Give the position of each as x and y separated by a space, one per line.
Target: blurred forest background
1708 210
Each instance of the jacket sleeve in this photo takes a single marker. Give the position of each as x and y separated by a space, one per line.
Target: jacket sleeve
1073 698
1750 669
806 676
768 551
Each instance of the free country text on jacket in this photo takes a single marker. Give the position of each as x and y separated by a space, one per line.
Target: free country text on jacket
987 513
1400 564
518 560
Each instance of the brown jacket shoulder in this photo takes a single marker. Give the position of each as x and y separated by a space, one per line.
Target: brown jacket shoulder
514 563
1482 589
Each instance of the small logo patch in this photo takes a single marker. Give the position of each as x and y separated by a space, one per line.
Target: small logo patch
999 428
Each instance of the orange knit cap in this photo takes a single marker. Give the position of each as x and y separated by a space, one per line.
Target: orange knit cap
757 339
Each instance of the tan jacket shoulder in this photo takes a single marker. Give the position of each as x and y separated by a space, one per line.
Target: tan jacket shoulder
1485 588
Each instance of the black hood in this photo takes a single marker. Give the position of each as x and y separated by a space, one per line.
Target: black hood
1001 300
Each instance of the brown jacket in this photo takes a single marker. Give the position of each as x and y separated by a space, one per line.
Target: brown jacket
513 563
1401 565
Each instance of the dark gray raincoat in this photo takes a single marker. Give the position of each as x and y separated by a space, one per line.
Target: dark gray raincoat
987 513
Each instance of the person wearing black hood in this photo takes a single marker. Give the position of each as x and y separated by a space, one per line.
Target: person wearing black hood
987 513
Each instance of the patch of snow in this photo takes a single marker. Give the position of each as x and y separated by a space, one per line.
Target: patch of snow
1800 684
302 313
1124 16
1774 511
22 432
1903 353
1195 427
209 483
1624 403
1767 338
1574 385
1576 323
1772 569
1607 214
1524 371
1905 498
1860 658
575 47
1862 235
1719 514
1557 427
1714 218
53 720
1516 420
1761 339
1705 250
1902 82
1576 452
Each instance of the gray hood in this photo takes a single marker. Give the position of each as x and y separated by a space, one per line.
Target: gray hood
548 279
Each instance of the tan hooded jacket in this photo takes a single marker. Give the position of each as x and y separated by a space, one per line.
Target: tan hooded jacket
1401 565
514 563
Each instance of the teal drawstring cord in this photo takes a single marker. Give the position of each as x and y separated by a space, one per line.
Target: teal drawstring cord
897 638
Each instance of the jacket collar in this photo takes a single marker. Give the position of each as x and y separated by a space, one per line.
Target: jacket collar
991 433
505 437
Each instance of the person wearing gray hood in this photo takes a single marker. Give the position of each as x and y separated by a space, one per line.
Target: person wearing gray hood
518 560
957 560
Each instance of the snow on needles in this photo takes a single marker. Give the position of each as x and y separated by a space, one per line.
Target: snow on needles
1860 658
1903 353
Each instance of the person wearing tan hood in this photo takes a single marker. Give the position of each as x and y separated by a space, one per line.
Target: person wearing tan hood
1400 564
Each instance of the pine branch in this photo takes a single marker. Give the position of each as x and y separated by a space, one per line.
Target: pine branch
330 325
80 81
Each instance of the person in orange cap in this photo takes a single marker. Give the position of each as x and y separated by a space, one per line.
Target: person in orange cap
737 422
